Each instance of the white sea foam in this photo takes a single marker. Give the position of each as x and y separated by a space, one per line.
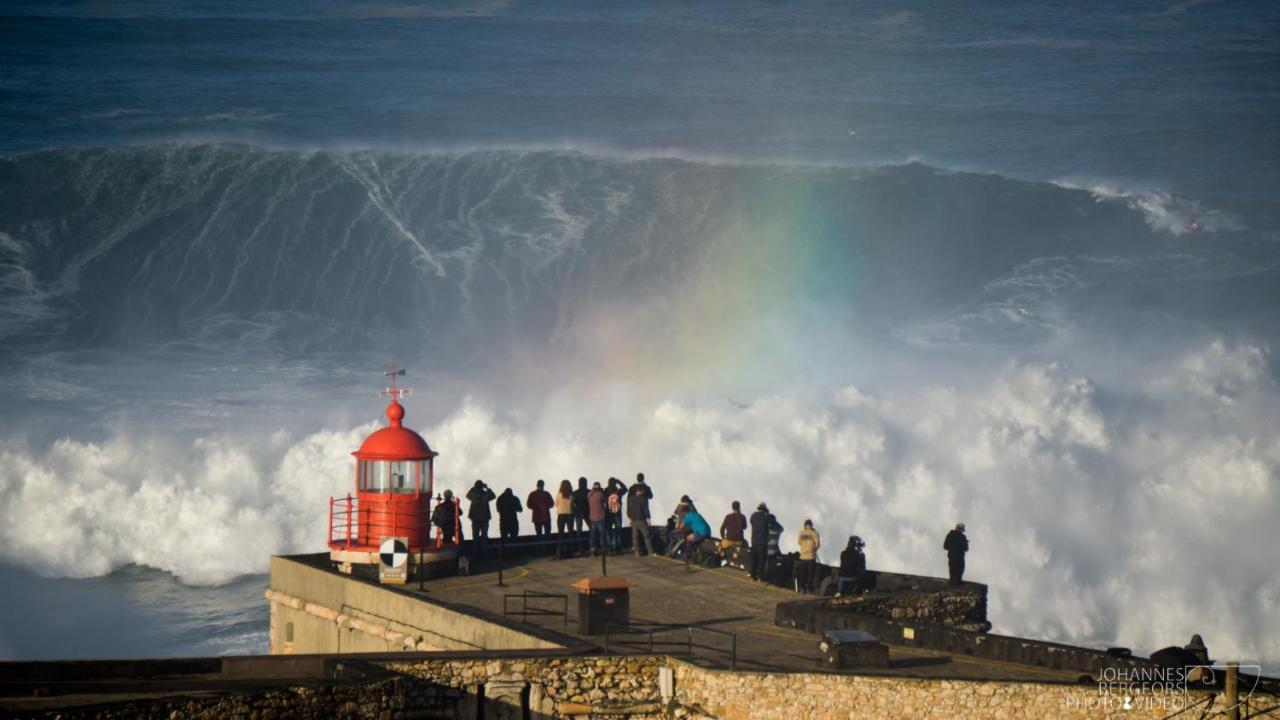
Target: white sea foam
1095 514
1162 210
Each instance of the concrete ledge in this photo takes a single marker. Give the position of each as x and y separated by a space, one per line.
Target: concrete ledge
314 609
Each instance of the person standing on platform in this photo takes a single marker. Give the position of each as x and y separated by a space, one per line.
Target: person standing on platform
509 509
853 567
564 518
540 503
445 517
732 528
479 514
759 542
613 501
809 542
597 513
581 510
638 498
775 536
956 545
774 545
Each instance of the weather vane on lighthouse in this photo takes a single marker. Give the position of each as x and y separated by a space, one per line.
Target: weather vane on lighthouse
395 393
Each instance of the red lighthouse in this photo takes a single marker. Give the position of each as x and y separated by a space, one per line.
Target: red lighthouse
387 523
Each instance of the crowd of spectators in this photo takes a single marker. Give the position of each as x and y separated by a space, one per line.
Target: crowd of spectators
590 520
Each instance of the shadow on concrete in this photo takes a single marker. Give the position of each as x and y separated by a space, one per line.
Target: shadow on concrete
918 662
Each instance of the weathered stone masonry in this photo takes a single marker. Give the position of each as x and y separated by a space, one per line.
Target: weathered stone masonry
626 687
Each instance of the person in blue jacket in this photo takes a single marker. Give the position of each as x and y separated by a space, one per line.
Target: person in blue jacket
694 529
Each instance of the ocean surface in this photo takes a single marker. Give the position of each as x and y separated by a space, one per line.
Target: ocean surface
886 266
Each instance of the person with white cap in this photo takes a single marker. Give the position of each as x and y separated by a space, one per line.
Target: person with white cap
956 546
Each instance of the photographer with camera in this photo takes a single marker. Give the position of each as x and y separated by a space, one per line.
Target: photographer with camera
479 514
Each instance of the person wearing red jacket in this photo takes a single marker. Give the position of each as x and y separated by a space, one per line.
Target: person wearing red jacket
733 528
540 503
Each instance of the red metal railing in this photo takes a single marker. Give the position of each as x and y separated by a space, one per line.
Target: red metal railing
344 521
348 529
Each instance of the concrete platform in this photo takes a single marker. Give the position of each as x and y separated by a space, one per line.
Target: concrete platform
720 598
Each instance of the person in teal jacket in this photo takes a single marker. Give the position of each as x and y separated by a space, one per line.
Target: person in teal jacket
697 526
692 527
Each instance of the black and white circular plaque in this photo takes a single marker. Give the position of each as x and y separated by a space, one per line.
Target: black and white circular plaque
393 552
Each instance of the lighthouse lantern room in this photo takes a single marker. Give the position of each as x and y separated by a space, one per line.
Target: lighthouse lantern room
385 526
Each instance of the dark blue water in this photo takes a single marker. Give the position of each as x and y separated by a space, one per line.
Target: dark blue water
1182 95
133 612
886 266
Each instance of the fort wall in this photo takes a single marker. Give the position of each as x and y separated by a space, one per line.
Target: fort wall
742 695
927 600
317 611
640 688
347 647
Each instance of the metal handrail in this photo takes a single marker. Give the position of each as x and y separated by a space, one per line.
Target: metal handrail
651 629
345 527
526 611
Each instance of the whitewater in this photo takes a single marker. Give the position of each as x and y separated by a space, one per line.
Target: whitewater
966 320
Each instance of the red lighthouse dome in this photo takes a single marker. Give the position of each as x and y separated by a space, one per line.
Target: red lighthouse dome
394 442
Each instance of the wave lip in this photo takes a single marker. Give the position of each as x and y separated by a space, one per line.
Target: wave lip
363 249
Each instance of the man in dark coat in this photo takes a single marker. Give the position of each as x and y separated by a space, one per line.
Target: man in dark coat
775 535
853 567
638 498
540 503
614 492
956 546
759 541
509 509
478 513
445 517
581 510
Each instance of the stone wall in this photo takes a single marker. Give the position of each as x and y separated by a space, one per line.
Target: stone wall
743 696
553 687
512 688
493 688
380 700
963 607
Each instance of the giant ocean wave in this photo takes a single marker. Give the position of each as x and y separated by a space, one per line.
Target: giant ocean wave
341 249
1070 370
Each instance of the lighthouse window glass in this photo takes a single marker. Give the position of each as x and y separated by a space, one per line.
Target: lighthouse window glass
375 477
402 477
424 476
